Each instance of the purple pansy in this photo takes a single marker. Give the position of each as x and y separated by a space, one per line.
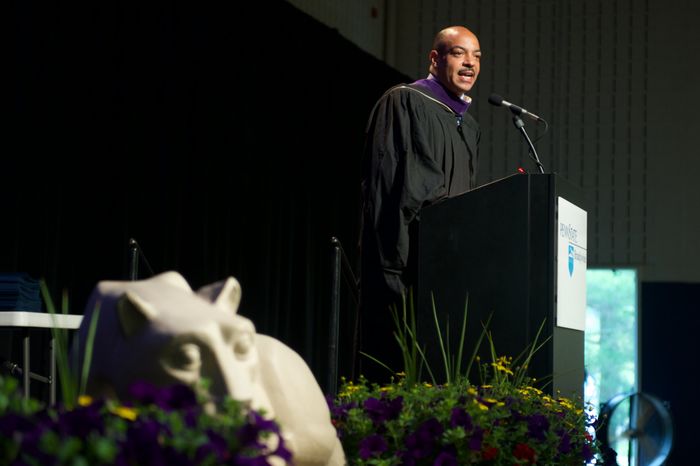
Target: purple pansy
170 398
12 423
446 457
340 411
476 439
421 443
216 447
142 443
81 421
383 409
537 426
372 445
460 418
564 442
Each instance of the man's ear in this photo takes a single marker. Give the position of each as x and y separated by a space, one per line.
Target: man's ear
225 294
433 57
134 313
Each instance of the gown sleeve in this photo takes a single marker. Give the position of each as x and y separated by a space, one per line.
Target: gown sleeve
403 176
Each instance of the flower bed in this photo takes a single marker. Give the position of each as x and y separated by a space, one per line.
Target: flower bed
504 420
164 426
399 423
460 423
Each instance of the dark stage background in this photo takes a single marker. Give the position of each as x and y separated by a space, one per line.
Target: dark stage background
225 139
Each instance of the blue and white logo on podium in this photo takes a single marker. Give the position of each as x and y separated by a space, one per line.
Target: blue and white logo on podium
571 260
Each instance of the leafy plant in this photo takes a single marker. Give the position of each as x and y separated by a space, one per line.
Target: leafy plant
72 384
503 420
168 425
460 423
405 335
517 368
413 353
177 425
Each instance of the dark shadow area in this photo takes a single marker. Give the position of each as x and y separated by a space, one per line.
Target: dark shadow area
670 318
226 139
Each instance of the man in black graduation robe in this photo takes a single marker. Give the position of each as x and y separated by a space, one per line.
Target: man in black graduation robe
421 147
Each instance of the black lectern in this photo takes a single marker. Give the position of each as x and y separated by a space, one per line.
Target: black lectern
498 243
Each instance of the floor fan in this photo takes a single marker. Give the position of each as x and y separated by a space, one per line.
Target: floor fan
639 428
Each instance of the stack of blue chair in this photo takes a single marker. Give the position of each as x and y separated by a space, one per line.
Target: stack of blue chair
19 292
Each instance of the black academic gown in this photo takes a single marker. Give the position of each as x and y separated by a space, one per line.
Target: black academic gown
417 152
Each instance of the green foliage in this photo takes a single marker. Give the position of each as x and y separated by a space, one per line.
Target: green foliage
503 420
72 384
496 423
413 353
10 399
517 368
452 365
168 425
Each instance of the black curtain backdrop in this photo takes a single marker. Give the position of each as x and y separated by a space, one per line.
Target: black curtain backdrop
670 319
225 139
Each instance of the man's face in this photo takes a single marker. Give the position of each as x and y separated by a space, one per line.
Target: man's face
458 63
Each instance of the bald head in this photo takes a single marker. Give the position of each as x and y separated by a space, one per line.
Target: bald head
455 59
443 39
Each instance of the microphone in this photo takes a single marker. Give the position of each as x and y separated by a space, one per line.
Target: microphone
497 100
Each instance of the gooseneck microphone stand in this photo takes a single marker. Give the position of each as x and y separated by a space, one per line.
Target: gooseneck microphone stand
518 122
498 101
135 252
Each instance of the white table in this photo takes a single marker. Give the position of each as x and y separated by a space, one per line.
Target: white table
38 320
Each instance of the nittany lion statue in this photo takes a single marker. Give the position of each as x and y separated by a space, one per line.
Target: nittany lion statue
159 330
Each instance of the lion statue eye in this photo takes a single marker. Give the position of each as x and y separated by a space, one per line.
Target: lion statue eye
187 357
243 344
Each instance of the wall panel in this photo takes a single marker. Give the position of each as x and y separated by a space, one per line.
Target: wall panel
614 80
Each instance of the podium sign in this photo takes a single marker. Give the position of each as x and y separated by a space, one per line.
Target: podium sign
497 247
571 266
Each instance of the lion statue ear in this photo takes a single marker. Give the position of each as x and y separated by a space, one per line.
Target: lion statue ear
172 278
225 294
134 313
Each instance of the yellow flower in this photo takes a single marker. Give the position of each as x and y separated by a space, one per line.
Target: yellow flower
387 388
84 400
349 389
125 412
481 406
528 391
493 401
566 403
501 368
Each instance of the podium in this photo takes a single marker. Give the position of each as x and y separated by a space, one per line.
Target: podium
502 245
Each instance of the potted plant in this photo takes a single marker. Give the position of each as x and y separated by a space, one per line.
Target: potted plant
504 419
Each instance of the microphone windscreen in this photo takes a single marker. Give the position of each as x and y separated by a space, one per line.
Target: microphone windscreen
495 99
